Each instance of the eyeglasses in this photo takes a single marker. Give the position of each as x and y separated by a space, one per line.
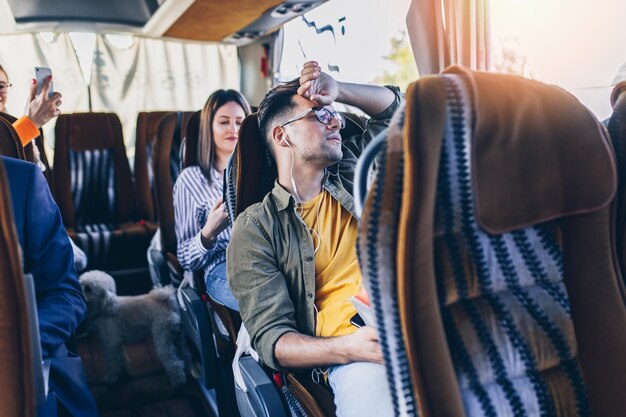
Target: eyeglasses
5 87
322 114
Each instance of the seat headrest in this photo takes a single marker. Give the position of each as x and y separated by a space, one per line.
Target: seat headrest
8 117
28 149
538 153
91 131
192 132
10 143
148 126
253 171
617 91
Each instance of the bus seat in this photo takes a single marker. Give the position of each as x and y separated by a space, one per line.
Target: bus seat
10 144
198 328
213 372
617 131
94 192
20 370
166 167
144 378
29 154
190 147
146 133
487 252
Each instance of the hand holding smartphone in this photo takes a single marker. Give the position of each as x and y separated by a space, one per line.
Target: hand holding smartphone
39 108
41 74
357 321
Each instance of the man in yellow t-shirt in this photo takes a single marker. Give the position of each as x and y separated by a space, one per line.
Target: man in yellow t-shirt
292 261
337 274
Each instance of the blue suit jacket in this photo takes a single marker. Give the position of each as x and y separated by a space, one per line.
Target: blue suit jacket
48 256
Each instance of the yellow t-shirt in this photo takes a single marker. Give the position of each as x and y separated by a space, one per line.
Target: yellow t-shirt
337 273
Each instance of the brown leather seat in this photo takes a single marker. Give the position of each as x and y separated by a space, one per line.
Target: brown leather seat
144 381
190 154
486 246
10 144
147 127
171 131
617 131
94 191
17 396
29 154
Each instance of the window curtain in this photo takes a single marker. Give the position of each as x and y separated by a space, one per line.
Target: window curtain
154 74
446 32
20 53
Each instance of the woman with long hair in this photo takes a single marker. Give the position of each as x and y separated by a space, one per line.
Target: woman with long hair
202 229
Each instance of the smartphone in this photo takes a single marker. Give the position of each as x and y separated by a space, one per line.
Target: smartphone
41 73
357 321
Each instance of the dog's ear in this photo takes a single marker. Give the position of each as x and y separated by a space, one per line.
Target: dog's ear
87 290
110 303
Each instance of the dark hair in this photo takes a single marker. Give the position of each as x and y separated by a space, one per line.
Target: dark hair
206 150
276 105
5 73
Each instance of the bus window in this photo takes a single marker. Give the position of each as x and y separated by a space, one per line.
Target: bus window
574 44
331 33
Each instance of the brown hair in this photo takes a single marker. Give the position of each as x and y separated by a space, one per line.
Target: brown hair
206 148
5 73
276 105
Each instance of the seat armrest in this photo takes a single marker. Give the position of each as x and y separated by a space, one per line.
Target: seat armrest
198 329
41 368
176 271
262 398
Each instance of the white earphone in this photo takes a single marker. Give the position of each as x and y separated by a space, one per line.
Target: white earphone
314 233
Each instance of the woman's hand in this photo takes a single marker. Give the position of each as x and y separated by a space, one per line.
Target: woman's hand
216 222
41 108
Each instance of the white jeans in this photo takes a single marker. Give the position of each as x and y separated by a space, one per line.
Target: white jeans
361 389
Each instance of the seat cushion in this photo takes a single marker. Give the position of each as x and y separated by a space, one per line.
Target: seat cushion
114 247
143 380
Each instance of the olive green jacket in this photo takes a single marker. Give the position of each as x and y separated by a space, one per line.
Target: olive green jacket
270 259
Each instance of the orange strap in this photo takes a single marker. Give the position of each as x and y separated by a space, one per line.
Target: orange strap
26 130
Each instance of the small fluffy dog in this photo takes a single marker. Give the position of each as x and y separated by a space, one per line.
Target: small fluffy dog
117 320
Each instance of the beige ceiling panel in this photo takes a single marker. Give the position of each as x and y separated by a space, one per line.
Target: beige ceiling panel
212 20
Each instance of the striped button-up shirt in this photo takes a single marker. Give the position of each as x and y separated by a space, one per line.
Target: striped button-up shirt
193 200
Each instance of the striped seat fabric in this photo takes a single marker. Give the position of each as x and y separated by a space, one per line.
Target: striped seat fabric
93 197
475 322
504 307
94 191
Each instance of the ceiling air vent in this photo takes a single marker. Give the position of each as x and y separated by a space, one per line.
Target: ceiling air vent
291 10
271 20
